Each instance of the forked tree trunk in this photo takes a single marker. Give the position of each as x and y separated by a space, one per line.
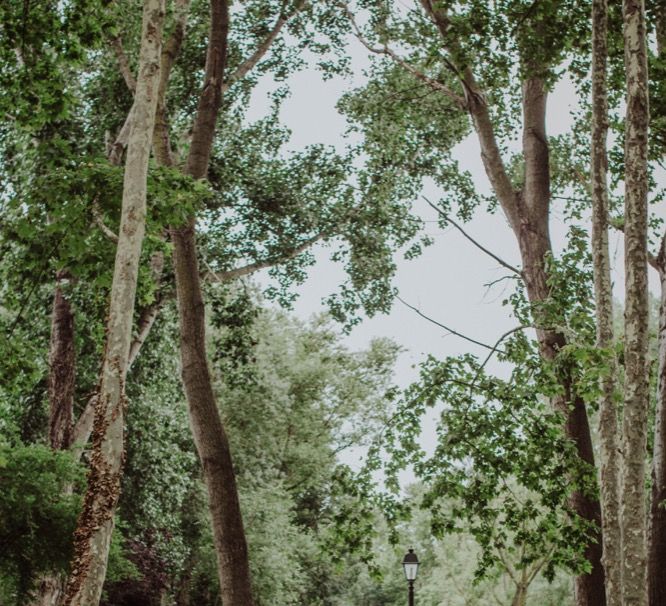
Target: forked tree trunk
209 435
636 397
92 537
603 294
657 520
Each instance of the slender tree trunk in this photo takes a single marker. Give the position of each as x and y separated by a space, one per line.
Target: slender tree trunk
532 231
62 360
608 418
636 398
657 520
93 534
209 435
61 383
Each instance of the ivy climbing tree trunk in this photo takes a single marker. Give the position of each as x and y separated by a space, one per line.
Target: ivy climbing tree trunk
95 525
209 435
636 395
603 293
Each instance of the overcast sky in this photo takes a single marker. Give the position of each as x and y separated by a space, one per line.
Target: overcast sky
447 281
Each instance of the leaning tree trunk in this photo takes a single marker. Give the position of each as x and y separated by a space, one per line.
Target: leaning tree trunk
209 436
636 398
657 520
603 293
92 537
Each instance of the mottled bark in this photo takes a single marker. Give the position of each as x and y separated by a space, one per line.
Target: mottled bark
520 597
93 534
62 360
636 388
657 519
603 294
209 436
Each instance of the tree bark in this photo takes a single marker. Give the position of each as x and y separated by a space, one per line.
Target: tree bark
209 436
520 597
603 293
93 534
62 360
636 396
657 519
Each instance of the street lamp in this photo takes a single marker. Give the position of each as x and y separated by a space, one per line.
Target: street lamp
410 563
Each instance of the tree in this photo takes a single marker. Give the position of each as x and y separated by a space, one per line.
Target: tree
636 388
463 55
95 524
608 416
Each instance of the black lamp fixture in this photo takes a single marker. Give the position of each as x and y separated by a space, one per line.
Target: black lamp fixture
410 564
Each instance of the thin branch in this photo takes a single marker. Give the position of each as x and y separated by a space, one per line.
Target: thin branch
248 64
472 240
170 51
238 272
99 221
495 348
447 328
387 51
84 424
123 63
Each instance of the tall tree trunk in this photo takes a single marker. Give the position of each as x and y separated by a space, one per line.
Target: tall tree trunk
93 534
62 359
657 520
603 293
209 436
636 398
532 231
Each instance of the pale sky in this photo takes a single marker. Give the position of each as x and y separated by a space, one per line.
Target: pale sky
447 281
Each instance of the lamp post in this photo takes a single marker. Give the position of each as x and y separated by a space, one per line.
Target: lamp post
410 564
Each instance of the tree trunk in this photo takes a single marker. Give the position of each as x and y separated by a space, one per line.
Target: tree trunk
520 597
636 397
603 293
657 520
532 231
93 534
207 429
62 359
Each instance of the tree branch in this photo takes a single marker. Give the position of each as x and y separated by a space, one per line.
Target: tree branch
248 64
472 240
161 141
99 221
123 63
419 75
203 131
447 328
239 272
